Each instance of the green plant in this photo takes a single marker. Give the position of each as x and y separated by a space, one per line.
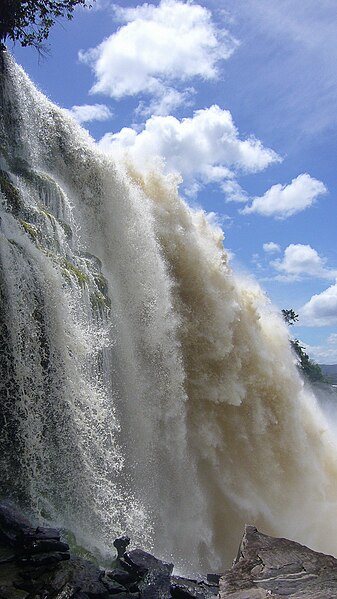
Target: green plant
307 367
32 230
10 192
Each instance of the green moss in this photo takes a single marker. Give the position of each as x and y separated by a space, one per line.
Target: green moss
69 269
101 282
45 212
11 194
32 230
98 300
78 549
67 230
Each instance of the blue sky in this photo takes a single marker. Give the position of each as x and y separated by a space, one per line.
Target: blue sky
240 97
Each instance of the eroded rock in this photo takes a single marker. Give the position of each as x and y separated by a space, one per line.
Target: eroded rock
274 568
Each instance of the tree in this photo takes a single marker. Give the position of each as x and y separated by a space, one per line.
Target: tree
29 21
307 367
290 316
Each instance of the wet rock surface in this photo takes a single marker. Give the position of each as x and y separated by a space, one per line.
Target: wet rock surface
35 563
274 568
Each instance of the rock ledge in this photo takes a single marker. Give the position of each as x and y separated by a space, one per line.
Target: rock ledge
272 568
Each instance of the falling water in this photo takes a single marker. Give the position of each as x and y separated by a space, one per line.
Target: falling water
144 388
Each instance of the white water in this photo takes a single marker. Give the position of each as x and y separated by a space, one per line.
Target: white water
178 414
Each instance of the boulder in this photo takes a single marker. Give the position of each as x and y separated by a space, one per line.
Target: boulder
121 544
155 575
274 568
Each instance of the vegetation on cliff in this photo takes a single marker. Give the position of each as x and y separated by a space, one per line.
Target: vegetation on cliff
307 367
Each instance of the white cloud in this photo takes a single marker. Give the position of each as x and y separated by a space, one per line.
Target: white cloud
299 260
282 201
166 103
203 149
90 112
271 247
233 191
332 339
321 309
158 45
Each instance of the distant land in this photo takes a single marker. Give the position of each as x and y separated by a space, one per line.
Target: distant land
330 373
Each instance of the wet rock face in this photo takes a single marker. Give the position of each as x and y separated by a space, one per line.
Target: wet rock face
271 568
35 563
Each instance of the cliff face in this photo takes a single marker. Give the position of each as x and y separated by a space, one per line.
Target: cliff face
144 390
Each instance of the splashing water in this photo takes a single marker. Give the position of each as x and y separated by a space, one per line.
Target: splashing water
144 388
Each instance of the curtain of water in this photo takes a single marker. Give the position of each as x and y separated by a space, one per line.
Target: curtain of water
145 389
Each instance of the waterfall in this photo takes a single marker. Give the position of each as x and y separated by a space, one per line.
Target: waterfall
145 389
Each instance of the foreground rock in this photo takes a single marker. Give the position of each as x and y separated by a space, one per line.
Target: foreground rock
36 564
270 568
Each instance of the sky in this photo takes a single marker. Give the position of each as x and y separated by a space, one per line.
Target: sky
237 96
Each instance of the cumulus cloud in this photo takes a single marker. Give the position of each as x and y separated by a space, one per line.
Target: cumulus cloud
321 309
302 260
203 149
271 247
156 46
233 191
90 112
282 201
167 103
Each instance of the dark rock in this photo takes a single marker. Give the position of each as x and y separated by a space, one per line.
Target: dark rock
129 567
27 585
42 559
136 562
27 572
125 596
156 582
12 522
81 575
126 578
7 554
43 546
185 588
145 562
268 567
214 578
41 533
68 592
121 544
35 564
9 575
113 586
